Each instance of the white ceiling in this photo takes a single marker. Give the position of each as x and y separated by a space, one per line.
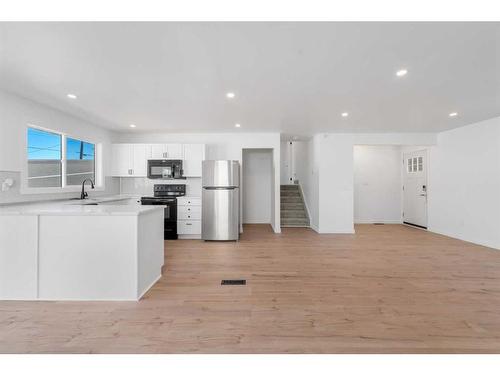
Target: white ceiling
296 78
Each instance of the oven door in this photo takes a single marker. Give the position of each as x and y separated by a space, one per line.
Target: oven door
170 210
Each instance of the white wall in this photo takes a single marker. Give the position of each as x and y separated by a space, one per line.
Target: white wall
15 115
223 146
464 183
377 184
257 186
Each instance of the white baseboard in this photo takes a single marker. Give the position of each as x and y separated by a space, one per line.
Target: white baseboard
378 221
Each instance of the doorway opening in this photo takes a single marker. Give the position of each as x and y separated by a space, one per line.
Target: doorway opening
258 186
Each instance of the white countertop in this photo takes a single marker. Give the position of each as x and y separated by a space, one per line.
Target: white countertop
80 207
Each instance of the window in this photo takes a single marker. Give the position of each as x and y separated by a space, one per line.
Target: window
80 161
44 159
57 161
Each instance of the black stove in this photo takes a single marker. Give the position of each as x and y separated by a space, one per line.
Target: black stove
165 195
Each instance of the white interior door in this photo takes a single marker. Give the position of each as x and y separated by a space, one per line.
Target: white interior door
415 188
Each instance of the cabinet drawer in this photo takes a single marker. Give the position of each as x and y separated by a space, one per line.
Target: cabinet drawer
187 215
188 209
188 227
189 201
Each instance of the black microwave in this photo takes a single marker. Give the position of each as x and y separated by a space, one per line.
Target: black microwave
165 169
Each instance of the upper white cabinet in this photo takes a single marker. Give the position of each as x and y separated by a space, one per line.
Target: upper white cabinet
122 159
166 151
193 156
130 160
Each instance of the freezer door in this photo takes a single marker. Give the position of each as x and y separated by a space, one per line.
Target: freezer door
220 214
221 173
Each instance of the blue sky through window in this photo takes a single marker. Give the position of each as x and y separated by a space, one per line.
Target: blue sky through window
43 145
79 150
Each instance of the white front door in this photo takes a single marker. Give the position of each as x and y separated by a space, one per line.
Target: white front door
415 188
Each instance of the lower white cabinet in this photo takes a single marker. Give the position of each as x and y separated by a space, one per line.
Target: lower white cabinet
189 217
192 227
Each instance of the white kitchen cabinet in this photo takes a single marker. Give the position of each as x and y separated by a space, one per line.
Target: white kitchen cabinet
129 160
188 201
189 217
166 151
189 228
194 154
140 160
18 257
122 159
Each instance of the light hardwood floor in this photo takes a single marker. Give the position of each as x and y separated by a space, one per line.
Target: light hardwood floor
385 289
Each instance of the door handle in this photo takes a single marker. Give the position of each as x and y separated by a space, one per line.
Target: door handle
423 195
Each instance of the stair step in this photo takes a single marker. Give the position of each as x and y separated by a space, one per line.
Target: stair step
285 214
295 222
290 193
291 199
292 206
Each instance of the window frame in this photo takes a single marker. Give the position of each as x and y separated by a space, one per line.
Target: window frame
98 165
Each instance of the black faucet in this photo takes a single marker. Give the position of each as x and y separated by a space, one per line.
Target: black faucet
84 194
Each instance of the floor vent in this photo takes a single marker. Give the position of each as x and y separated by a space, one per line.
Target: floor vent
233 282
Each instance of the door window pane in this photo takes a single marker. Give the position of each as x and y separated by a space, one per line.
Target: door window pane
44 158
420 163
414 164
410 169
80 161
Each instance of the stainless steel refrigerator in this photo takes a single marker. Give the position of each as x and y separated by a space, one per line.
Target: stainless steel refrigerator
220 200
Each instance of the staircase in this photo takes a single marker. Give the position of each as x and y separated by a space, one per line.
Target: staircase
293 210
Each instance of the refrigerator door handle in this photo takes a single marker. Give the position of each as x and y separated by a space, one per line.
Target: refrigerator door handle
220 188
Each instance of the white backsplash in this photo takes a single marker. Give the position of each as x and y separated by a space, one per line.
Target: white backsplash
13 194
144 186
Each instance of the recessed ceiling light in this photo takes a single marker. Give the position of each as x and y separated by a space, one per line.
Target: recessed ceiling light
132 125
230 95
237 125
401 72
345 114
453 114
71 96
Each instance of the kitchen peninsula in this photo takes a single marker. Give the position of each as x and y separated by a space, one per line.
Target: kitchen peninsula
100 249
